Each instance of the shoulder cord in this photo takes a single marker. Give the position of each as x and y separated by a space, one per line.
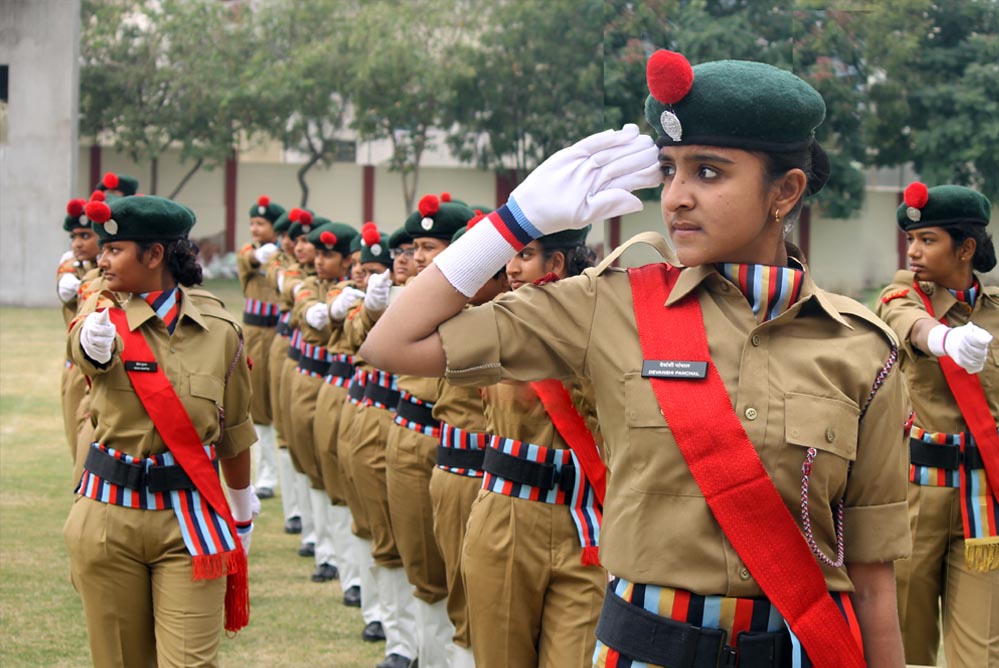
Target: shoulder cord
806 471
232 367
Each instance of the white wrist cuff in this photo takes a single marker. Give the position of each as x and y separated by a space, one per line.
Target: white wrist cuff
475 258
241 503
935 340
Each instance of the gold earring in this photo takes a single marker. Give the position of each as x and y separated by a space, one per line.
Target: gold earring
777 215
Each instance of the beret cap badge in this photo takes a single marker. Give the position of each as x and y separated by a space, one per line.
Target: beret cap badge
670 78
111 227
916 196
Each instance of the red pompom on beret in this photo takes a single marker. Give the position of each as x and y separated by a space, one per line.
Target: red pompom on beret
304 217
98 196
669 76
110 181
75 207
263 200
445 197
98 211
369 234
327 238
916 195
294 214
479 216
429 205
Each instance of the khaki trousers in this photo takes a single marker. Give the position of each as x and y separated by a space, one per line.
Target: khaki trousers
134 577
325 427
257 341
410 461
360 528
304 391
531 602
289 369
368 436
936 584
75 404
275 371
452 496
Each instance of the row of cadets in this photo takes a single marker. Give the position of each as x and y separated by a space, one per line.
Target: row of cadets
457 476
948 323
330 259
260 316
411 440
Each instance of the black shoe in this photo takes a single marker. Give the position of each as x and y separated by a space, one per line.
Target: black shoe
352 597
325 573
293 524
395 661
265 493
373 632
307 550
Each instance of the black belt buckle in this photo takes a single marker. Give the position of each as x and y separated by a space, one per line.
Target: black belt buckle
566 477
762 649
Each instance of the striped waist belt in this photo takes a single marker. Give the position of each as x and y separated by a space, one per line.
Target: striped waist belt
355 391
416 414
950 457
282 328
314 360
382 390
260 313
936 458
341 370
549 475
662 626
461 452
295 345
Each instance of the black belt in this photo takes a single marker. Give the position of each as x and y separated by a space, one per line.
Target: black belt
341 369
312 365
947 457
282 328
459 458
525 472
644 636
355 391
294 353
420 414
382 395
137 476
260 320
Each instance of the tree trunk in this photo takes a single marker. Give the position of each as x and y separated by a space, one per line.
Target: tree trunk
187 177
154 175
300 175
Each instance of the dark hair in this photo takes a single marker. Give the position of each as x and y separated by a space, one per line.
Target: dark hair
985 251
577 258
181 259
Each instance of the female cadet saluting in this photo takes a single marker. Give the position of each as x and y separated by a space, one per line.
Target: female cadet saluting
946 319
733 395
151 534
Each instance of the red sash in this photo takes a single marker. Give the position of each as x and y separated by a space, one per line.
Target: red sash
178 432
970 397
728 471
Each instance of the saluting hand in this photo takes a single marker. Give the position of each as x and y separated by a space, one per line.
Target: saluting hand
377 296
97 336
317 315
967 345
265 253
346 299
69 284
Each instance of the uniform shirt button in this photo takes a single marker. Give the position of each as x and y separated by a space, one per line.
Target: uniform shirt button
744 574
172 349
755 339
830 435
751 414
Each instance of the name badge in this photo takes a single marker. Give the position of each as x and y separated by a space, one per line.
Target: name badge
674 369
149 367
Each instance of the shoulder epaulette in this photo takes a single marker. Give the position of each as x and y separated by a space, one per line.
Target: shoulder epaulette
895 295
67 267
654 239
846 306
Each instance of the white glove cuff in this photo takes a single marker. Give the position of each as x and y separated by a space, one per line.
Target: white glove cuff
936 338
241 503
476 257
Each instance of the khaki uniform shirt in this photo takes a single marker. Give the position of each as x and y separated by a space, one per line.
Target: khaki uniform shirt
293 275
355 329
460 406
196 359
797 381
254 277
312 292
931 398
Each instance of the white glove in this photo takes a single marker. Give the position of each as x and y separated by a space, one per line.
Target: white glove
589 181
69 284
344 301
317 315
280 281
377 296
298 287
265 253
97 336
967 345
245 506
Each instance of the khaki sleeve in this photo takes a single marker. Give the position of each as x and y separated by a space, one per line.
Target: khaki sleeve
531 334
876 521
358 323
239 433
246 264
901 313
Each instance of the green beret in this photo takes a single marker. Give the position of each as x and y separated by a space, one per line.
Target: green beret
355 244
282 223
438 218
565 239
730 103
75 217
400 236
942 206
127 185
265 208
146 218
330 236
374 245
300 224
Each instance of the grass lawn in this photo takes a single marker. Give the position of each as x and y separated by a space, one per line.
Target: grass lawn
294 622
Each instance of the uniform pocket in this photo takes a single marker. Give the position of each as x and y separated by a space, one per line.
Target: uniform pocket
825 424
206 386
